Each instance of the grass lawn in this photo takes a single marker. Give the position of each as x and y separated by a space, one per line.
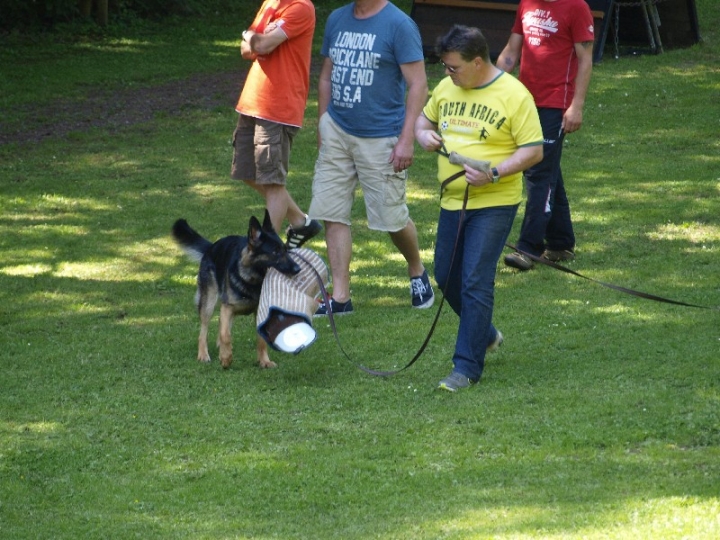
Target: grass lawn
599 418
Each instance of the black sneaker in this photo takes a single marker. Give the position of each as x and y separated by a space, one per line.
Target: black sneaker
337 308
297 237
421 291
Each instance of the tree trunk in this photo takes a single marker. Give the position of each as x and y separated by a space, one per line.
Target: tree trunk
85 7
102 12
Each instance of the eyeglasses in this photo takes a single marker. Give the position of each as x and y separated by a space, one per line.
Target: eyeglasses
449 68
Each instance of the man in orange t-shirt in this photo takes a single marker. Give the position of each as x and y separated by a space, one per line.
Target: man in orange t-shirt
272 107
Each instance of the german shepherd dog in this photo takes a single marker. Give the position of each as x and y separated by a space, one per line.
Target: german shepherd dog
233 269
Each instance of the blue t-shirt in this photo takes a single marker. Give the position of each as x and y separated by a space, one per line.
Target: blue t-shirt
368 90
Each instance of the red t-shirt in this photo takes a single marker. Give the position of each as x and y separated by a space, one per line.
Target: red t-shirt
277 85
548 64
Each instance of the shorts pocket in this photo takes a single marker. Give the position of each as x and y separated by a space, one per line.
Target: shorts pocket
268 151
394 188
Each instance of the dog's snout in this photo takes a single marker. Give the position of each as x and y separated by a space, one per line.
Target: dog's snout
294 267
288 266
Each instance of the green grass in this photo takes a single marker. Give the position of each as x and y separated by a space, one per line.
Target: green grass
599 418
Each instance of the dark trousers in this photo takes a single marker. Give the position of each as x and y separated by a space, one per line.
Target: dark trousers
547 223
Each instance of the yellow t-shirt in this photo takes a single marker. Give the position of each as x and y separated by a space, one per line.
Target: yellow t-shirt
486 123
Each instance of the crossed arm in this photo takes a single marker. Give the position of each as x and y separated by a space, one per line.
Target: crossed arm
254 44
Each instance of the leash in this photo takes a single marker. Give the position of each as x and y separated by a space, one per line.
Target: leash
443 152
331 318
375 372
382 373
326 297
625 290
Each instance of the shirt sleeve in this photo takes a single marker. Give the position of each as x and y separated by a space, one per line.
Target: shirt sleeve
518 25
408 44
526 128
582 24
297 19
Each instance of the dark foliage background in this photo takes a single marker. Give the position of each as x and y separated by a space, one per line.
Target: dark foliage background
33 15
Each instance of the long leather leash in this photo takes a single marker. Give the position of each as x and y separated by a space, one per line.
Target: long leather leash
625 290
443 152
328 304
331 318
546 262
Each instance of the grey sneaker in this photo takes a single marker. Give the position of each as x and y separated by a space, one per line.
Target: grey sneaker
421 291
297 237
519 261
495 345
558 255
454 382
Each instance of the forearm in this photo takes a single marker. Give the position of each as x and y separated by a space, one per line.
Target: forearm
582 80
522 159
324 90
573 117
510 55
263 44
416 97
506 61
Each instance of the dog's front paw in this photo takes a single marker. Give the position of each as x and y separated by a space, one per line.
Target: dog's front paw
267 364
226 360
204 358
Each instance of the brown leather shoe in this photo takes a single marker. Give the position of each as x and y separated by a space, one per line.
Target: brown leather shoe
519 261
559 255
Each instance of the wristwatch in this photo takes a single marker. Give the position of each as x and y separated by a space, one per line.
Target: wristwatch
495 175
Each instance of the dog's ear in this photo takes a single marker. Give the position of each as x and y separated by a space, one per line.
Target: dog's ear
254 230
267 222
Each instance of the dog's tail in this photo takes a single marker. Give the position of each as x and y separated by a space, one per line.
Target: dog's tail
189 240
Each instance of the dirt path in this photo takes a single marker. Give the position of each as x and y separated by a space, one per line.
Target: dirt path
105 109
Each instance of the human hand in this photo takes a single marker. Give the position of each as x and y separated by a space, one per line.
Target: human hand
429 139
401 156
477 177
572 119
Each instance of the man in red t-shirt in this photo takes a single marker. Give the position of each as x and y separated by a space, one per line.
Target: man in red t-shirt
272 108
552 40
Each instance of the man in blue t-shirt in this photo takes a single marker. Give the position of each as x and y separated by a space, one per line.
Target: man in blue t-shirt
373 54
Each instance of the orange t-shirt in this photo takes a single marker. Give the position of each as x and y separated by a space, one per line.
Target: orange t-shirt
277 85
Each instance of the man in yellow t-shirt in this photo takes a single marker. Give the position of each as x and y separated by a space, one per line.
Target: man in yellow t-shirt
272 108
485 114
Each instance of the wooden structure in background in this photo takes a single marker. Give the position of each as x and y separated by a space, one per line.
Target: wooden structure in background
654 24
676 21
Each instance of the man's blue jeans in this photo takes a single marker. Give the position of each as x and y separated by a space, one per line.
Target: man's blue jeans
469 285
547 220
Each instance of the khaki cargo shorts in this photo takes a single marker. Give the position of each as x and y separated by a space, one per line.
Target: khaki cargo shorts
343 162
